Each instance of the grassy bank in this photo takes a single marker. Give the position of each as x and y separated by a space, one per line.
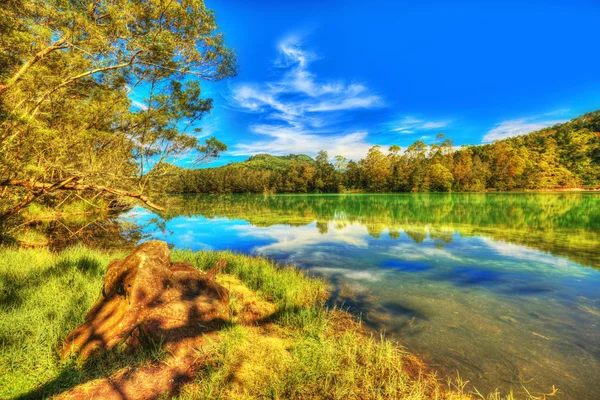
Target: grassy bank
301 350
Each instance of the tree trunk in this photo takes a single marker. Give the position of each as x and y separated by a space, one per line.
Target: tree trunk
36 194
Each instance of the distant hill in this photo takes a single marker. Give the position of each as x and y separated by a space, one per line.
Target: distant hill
271 163
262 162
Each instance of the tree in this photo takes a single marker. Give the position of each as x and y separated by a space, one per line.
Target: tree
417 165
325 179
398 179
463 169
440 178
566 155
67 121
299 177
353 175
481 175
508 164
376 170
340 164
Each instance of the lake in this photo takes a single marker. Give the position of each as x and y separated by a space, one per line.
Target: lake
504 288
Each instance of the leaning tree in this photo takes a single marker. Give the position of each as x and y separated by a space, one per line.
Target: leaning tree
98 95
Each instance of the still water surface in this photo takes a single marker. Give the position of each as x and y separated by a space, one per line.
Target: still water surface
504 288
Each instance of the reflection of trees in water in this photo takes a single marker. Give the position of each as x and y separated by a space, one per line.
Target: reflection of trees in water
100 230
417 237
563 224
323 227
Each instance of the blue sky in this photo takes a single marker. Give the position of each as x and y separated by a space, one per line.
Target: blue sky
345 75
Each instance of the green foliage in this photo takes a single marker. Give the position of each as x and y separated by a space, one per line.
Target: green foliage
67 71
272 163
376 170
563 156
439 178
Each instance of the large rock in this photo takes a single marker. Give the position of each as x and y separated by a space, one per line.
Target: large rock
146 299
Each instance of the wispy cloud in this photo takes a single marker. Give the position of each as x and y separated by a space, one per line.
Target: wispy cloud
298 111
522 126
409 125
286 140
139 105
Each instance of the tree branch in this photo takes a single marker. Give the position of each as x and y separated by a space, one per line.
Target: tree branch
29 63
40 192
67 184
83 75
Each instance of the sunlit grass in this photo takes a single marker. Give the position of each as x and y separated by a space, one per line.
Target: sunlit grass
30 238
43 296
302 351
289 288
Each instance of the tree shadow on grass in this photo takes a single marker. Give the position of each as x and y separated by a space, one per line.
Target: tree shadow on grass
13 292
118 361
137 359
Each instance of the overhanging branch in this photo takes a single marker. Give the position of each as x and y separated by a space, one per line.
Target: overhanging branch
38 193
40 189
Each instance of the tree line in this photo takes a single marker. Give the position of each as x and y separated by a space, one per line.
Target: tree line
563 156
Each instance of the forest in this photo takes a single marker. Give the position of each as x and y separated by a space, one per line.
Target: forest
562 156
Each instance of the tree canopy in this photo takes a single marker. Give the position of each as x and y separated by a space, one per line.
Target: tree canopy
68 73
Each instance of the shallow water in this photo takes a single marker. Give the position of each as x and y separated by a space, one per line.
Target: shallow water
504 288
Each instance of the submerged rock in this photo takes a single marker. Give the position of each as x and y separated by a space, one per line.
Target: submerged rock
146 300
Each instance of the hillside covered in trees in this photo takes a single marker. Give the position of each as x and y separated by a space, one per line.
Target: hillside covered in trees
562 156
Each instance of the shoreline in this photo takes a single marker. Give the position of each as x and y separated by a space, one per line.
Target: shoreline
554 190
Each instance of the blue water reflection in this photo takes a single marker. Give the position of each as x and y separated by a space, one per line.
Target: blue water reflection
503 289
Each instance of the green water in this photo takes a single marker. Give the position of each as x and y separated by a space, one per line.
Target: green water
503 288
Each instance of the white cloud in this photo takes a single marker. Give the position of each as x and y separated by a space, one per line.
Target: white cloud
305 239
528 255
409 125
370 276
516 127
346 104
284 140
139 104
304 109
434 125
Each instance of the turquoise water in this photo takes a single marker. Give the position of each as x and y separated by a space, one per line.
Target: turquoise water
501 288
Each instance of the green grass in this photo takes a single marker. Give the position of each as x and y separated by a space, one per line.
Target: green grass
303 351
44 295
30 238
68 210
289 288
